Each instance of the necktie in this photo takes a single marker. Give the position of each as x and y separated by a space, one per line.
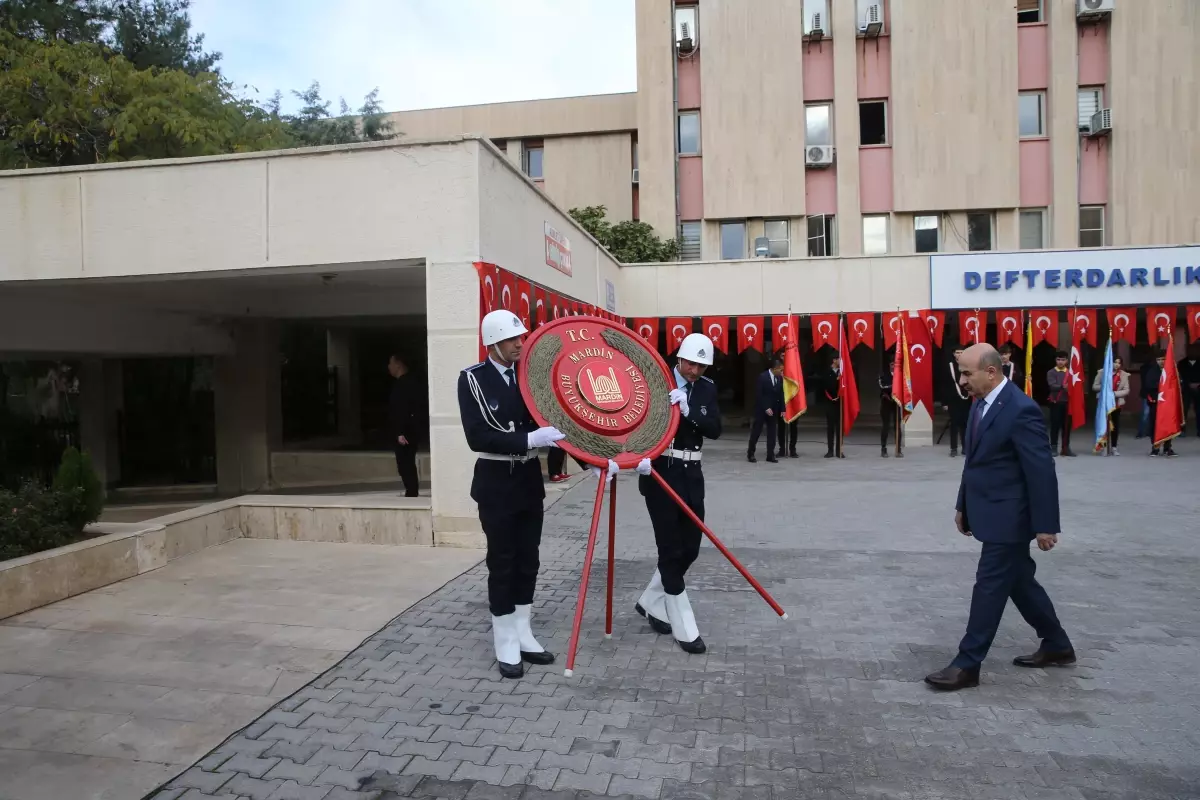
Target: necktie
979 408
511 377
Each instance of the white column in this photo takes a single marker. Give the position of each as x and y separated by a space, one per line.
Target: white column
247 398
340 353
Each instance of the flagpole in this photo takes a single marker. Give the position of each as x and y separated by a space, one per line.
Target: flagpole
841 400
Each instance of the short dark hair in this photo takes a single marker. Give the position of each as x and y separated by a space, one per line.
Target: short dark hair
776 363
1061 354
1006 350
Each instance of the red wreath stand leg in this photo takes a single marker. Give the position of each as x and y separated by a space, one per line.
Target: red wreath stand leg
573 645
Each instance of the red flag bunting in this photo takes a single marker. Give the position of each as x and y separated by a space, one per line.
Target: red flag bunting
784 333
935 322
847 386
540 308
861 329
1010 327
920 355
677 330
1044 327
1193 317
750 334
508 291
489 286
1083 325
972 327
1121 321
1075 387
1168 414
825 330
795 398
647 328
717 329
893 322
525 303
1160 322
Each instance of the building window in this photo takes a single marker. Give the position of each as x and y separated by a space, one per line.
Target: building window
820 235
875 235
532 160
733 240
1029 11
816 16
778 241
689 241
501 145
864 9
1033 229
689 133
979 230
686 27
1031 108
872 122
1091 100
1091 226
925 234
818 124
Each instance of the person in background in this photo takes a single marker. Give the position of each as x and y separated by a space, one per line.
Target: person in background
958 403
1148 380
402 422
1150 395
1189 383
1120 392
1008 368
887 411
768 405
1059 399
831 387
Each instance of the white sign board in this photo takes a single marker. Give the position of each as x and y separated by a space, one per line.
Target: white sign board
1061 278
558 250
610 296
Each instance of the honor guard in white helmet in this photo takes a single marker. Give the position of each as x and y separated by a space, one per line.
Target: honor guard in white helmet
665 603
507 486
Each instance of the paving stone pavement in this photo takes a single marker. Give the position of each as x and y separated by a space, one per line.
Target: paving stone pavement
827 704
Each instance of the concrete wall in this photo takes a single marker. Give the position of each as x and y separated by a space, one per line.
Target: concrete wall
523 119
591 170
655 114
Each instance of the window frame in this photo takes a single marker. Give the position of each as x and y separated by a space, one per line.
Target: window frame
1101 229
937 228
1099 92
1041 98
721 238
826 30
828 234
694 8
787 237
525 161
829 109
1041 14
887 239
679 132
860 13
886 128
991 222
699 240
1042 217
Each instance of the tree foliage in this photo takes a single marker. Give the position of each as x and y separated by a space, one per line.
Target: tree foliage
158 33
630 242
313 124
71 21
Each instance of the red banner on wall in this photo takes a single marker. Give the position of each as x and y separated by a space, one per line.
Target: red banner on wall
1044 327
750 334
935 323
1010 327
717 329
677 330
972 327
1083 325
1121 321
824 330
647 328
1193 318
892 322
861 329
1160 322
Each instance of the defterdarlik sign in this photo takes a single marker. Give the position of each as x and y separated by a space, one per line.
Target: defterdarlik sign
1048 278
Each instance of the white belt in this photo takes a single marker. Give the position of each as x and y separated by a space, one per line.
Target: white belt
683 455
513 459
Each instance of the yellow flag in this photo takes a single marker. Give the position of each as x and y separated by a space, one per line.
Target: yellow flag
1029 356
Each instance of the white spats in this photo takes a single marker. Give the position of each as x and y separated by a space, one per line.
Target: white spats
506 639
528 644
654 599
679 614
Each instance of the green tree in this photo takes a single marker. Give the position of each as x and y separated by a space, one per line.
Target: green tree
77 479
629 242
64 104
71 21
158 33
313 125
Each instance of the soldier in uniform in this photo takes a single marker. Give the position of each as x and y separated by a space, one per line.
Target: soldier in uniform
507 485
665 602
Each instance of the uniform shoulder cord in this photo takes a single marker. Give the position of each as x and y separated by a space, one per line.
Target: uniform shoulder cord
480 400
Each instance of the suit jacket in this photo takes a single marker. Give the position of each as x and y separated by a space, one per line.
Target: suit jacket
402 409
769 396
499 483
1009 489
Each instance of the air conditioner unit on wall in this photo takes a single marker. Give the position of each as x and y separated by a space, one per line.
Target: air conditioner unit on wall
1093 9
685 44
635 175
817 31
871 24
818 155
1101 122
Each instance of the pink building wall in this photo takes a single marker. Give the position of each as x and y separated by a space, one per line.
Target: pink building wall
875 179
818 72
874 68
820 191
1093 172
1033 56
689 82
1093 55
691 187
1037 189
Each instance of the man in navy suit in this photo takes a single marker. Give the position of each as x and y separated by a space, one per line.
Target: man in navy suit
1008 497
768 406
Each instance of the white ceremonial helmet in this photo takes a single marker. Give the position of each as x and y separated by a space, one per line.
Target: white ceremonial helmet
500 325
697 348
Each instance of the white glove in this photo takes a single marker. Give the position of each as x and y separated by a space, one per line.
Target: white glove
644 468
679 398
545 437
612 470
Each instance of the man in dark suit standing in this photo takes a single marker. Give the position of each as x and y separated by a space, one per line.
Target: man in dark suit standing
402 420
768 406
1008 496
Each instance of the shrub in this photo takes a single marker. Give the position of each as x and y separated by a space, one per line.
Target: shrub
33 519
77 473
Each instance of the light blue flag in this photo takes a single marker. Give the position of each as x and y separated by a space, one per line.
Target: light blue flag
1106 402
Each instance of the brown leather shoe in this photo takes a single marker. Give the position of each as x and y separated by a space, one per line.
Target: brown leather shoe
1043 658
952 679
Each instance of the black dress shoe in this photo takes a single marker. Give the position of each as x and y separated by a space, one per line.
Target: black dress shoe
656 624
1043 658
792 454
541 659
829 455
772 460
694 647
753 460
511 670
952 679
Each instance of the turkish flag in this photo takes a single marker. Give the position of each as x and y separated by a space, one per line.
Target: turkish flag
920 358
824 330
1083 325
678 329
525 303
489 286
1121 321
972 327
786 332
1168 416
1193 318
1044 327
647 328
861 329
847 386
717 329
1160 321
935 321
540 309
1075 376
1009 327
750 334
508 291
892 322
